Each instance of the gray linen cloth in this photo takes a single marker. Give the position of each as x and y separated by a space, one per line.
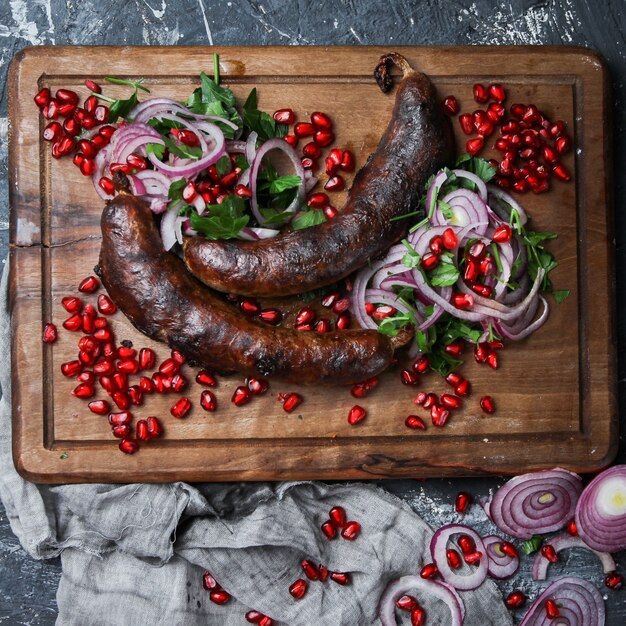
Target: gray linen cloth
135 554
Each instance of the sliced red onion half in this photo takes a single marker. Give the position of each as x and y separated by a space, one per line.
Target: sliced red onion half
170 226
501 565
481 188
397 588
579 602
563 542
101 162
275 144
438 549
254 234
536 503
132 138
601 511
496 197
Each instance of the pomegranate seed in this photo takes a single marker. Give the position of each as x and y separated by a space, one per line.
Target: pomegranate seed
72 305
51 110
136 161
305 315
258 386
241 396
462 300
503 234
99 407
128 366
250 306
188 138
254 617
450 240
101 114
321 121
429 261
89 284
552 609
473 558
406 603
219 596
485 129
408 377
106 184
190 193
356 414
481 94
141 430
561 172
454 349
208 401
128 446
451 105
291 401
298 588
66 95
453 378
107 131
104 368
613 580
462 502
206 378
106 305
417 617
154 427
230 179
340 578
122 418
495 112
208 582
509 549
482 290
179 383
439 416
571 528
347 161
242 191
329 529
42 98
71 368
358 391
429 571
436 245
351 531
311 150
52 132
467 124
515 600
180 408
454 559
178 356
563 144
121 381
474 146
549 553
497 92
86 377
323 573
169 367
309 569
93 86
415 422
335 183
271 316
135 394
121 400
323 326
160 383
466 543
303 129
83 390
338 515
49 334
147 358
145 384
429 401
284 116
330 212
292 140
323 138
334 161
318 200
486 404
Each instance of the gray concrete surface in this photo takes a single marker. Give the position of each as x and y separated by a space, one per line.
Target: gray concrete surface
27 587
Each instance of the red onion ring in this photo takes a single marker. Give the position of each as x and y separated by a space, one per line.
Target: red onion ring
169 227
536 503
501 565
563 542
439 547
477 180
580 604
254 234
397 588
101 162
496 196
601 511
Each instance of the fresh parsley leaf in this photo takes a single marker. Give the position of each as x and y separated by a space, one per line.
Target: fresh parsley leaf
284 182
273 217
223 165
222 221
121 108
163 127
532 545
483 169
446 209
411 260
181 150
260 122
392 325
157 149
445 274
213 99
308 219
560 295
176 190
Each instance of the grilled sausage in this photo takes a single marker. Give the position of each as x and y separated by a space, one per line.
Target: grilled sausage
417 142
159 296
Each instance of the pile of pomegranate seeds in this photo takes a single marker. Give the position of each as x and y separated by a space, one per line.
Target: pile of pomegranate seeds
68 121
530 143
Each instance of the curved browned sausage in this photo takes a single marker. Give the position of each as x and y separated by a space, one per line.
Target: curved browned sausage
417 142
159 296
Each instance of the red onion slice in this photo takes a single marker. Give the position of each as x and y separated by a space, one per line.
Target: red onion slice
254 234
579 602
536 503
101 162
563 542
601 511
439 547
477 180
500 565
397 588
169 227
497 196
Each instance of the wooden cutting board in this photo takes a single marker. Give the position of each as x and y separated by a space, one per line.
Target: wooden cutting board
555 392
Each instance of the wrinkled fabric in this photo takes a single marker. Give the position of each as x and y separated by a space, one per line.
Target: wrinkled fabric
135 554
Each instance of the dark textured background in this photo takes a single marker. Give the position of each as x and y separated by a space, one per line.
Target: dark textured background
28 587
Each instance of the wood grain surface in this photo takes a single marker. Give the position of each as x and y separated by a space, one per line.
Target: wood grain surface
555 392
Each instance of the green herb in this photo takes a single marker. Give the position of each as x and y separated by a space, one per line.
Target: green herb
157 149
181 150
223 165
163 127
121 108
411 259
223 221
63 456
446 272
403 217
392 325
483 169
175 191
538 257
284 182
531 545
496 256
216 68
446 209
560 295
260 122
308 219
